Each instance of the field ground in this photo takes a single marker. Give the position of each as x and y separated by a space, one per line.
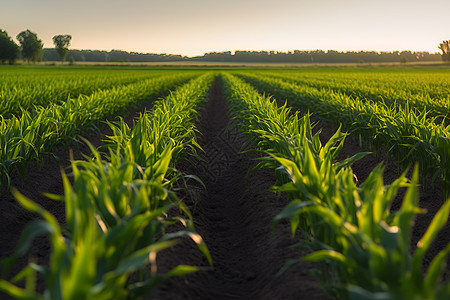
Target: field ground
233 212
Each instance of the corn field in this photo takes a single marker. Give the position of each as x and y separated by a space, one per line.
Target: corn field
127 197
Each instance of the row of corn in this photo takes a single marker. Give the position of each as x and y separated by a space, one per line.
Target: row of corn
420 88
364 247
24 90
117 210
409 134
28 135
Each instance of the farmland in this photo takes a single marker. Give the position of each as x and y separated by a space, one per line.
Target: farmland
195 183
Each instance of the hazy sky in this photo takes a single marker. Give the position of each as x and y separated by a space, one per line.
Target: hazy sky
192 27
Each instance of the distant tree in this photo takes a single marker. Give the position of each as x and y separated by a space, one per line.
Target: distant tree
62 43
445 48
8 49
31 46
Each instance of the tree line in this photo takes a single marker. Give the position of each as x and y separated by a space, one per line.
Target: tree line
296 56
31 50
320 56
51 54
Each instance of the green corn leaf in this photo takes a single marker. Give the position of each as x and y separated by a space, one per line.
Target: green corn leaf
326 254
16 292
291 167
33 207
439 220
434 270
182 270
351 160
290 210
140 258
32 230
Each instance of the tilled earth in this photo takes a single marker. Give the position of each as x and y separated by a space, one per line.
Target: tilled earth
234 216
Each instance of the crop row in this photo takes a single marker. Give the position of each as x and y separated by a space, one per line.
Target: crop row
117 210
407 133
417 86
418 91
364 247
32 133
20 92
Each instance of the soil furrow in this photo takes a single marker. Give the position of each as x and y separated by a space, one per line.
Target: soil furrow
234 216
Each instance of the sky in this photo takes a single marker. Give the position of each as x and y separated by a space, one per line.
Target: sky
193 27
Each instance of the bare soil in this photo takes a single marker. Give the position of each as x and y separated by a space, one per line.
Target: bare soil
233 214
